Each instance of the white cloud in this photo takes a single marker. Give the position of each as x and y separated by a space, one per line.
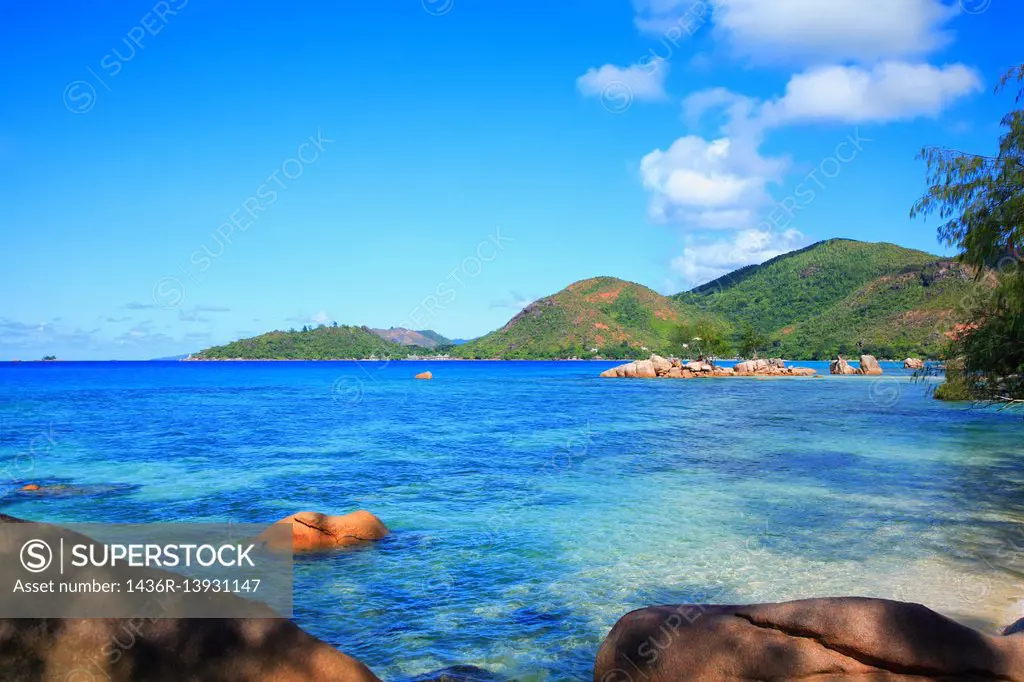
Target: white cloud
886 92
704 260
705 184
645 81
832 30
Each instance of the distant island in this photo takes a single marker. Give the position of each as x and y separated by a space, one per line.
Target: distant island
834 297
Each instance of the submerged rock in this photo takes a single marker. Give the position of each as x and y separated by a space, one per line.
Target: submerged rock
312 531
461 673
70 490
846 638
869 365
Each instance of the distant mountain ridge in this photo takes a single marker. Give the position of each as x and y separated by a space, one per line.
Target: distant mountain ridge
320 343
424 338
835 296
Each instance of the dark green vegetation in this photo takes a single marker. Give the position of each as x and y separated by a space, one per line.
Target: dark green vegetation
981 201
601 316
839 296
320 343
703 339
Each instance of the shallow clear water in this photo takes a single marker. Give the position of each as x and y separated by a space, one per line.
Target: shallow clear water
533 503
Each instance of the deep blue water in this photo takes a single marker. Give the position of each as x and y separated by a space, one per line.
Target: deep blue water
533 503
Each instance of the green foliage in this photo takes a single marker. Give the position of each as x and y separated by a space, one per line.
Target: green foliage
896 316
839 296
954 388
799 285
981 202
703 339
752 341
323 343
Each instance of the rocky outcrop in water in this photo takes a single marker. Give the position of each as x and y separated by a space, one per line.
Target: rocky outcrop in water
659 367
841 366
869 366
424 375
913 363
846 638
313 531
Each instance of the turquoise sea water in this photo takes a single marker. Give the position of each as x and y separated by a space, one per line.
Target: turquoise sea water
533 503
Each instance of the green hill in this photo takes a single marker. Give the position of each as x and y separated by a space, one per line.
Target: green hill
893 316
615 317
842 296
320 343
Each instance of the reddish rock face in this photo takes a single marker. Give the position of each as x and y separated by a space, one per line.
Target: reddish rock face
847 638
312 531
424 375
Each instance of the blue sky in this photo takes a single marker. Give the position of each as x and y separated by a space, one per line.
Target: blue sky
181 173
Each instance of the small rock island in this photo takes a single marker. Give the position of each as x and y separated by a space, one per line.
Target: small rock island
658 367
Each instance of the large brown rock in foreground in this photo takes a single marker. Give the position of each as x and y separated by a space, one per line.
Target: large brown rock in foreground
313 531
846 638
170 650
259 647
